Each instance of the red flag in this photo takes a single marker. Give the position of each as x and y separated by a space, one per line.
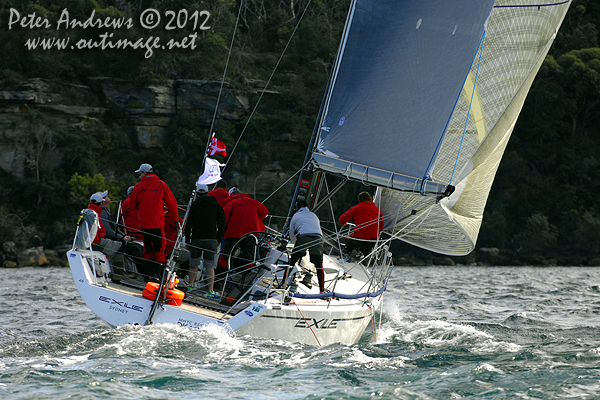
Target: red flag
216 147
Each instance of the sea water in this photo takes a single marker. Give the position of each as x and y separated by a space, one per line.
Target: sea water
446 333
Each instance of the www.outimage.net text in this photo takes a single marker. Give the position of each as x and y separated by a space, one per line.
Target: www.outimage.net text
148 19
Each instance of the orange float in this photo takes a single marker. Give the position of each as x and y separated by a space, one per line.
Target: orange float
174 296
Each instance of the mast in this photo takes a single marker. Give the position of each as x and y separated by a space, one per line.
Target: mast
302 187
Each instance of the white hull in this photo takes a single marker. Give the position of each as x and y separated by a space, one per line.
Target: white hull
310 321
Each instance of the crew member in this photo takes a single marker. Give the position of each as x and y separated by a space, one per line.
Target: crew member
220 192
112 231
151 196
234 193
203 231
243 215
306 234
108 246
369 224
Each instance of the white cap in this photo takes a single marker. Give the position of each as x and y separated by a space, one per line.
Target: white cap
144 168
233 190
98 197
129 190
202 188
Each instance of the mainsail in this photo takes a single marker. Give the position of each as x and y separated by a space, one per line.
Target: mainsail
424 98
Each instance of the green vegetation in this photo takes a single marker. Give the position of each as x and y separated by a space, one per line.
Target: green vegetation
542 204
543 200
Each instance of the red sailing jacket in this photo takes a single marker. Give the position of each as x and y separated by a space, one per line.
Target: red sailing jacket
365 215
244 215
150 195
221 194
101 230
129 218
234 196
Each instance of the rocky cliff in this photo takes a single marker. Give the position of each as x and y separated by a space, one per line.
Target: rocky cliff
139 115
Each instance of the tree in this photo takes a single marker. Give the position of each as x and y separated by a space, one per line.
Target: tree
36 138
538 237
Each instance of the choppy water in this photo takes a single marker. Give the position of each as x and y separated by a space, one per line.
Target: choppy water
447 333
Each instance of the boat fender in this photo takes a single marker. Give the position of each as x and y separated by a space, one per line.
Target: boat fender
174 296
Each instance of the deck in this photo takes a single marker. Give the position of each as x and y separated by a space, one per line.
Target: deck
193 302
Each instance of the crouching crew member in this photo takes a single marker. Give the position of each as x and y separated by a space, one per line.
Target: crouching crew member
108 246
306 234
243 215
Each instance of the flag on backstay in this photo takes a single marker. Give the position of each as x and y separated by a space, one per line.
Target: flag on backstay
216 147
212 172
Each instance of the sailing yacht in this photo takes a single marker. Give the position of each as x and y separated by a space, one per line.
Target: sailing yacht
422 101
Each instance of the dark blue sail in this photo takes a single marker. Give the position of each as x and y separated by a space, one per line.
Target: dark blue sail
401 69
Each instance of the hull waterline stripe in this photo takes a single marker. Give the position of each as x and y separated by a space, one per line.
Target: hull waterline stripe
295 318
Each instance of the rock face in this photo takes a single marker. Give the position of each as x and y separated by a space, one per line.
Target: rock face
33 257
140 115
34 111
56 107
9 255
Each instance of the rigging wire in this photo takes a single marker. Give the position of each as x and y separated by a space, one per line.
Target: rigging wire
333 216
334 235
268 81
307 323
430 166
470 106
212 123
283 184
